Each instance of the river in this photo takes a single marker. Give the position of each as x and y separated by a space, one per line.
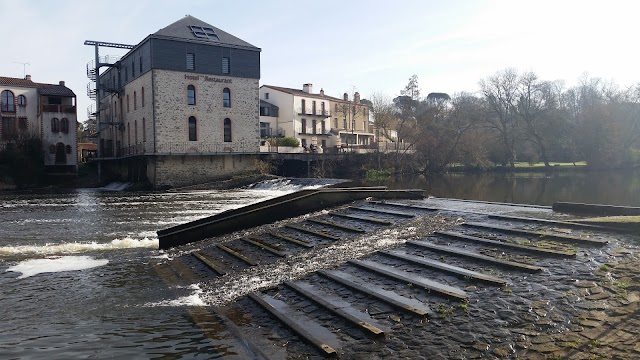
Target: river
76 273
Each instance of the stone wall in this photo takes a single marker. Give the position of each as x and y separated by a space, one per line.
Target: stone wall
172 111
184 170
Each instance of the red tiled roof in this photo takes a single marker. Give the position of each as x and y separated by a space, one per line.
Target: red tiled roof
44 89
299 92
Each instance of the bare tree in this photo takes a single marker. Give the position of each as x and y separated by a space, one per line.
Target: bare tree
500 91
534 97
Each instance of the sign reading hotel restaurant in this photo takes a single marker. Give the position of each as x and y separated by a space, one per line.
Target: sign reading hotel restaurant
207 78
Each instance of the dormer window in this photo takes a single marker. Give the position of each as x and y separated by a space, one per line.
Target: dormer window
204 33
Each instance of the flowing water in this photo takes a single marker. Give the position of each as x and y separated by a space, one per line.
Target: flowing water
76 274
76 268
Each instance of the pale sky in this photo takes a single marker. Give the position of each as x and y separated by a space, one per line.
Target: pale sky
342 46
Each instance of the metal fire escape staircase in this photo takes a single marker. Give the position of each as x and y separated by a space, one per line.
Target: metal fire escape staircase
94 86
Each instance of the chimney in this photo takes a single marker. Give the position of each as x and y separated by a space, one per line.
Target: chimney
356 97
61 83
27 77
345 97
308 88
321 92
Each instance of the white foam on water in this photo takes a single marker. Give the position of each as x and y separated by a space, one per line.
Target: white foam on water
78 247
194 299
65 263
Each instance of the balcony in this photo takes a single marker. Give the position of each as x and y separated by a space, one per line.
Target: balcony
309 112
67 109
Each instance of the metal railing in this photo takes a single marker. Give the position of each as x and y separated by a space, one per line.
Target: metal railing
309 111
196 147
68 109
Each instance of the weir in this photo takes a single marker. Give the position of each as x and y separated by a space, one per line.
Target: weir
280 208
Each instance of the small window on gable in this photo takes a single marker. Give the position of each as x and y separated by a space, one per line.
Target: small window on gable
191 61
193 127
226 97
227 130
140 64
64 125
266 96
191 95
55 125
133 68
226 65
22 100
142 97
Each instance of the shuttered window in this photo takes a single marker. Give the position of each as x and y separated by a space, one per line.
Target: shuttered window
226 66
191 61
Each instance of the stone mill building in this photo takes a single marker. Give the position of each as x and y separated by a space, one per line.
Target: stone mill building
180 107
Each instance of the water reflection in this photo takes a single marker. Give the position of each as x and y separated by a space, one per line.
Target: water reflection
601 187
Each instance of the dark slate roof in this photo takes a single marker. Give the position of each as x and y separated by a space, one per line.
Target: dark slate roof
299 92
43 89
267 104
180 30
55 90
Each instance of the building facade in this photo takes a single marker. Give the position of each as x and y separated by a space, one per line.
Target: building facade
46 111
317 119
181 107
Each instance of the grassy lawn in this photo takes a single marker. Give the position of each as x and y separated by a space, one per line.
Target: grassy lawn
552 163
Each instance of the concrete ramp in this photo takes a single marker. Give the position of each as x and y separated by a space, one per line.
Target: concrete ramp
280 208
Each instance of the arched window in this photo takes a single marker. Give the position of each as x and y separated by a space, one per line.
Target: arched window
226 97
135 101
227 130
8 99
64 125
193 126
142 94
61 154
22 100
191 95
55 125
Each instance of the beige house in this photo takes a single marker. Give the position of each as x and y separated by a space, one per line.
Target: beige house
47 111
316 119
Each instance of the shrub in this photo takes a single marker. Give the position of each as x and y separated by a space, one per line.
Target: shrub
285 141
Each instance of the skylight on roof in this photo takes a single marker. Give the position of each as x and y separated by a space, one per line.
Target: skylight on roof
204 33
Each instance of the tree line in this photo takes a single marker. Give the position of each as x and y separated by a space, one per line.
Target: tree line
515 117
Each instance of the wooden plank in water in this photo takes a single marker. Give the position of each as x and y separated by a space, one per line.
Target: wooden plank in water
362 218
281 311
336 225
446 267
538 234
398 301
379 211
559 223
433 286
338 307
219 268
238 255
321 234
523 248
263 247
291 239
401 205
475 256
598 209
